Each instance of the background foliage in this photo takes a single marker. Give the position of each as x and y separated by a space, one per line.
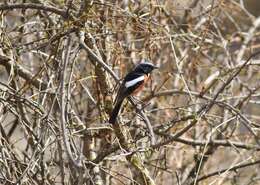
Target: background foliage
61 63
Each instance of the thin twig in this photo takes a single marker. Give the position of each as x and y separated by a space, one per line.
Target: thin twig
42 7
234 168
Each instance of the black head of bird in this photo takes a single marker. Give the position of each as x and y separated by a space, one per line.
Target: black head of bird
145 67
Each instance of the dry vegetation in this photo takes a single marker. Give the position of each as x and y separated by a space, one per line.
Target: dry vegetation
61 63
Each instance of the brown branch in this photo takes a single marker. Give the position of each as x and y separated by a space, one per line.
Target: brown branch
25 74
97 58
64 130
57 37
234 168
42 7
225 143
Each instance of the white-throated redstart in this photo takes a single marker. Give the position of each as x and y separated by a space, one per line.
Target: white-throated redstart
132 83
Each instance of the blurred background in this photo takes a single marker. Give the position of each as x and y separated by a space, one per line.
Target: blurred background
197 122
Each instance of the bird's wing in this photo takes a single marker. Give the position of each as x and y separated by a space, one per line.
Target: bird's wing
130 83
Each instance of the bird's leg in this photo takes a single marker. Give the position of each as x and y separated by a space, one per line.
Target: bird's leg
136 100
140 109
139 102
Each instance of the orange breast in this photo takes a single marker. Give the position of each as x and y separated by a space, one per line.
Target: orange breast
140 88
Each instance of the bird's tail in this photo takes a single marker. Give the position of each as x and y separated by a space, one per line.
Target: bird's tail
115 112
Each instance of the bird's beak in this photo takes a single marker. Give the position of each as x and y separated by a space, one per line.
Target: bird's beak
156 67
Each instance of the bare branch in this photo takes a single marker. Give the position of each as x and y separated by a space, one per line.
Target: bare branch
42 7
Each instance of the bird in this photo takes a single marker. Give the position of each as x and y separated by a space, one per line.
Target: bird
132 84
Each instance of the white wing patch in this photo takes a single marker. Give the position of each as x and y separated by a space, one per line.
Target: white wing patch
134 82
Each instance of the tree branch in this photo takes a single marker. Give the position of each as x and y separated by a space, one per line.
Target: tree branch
57 11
